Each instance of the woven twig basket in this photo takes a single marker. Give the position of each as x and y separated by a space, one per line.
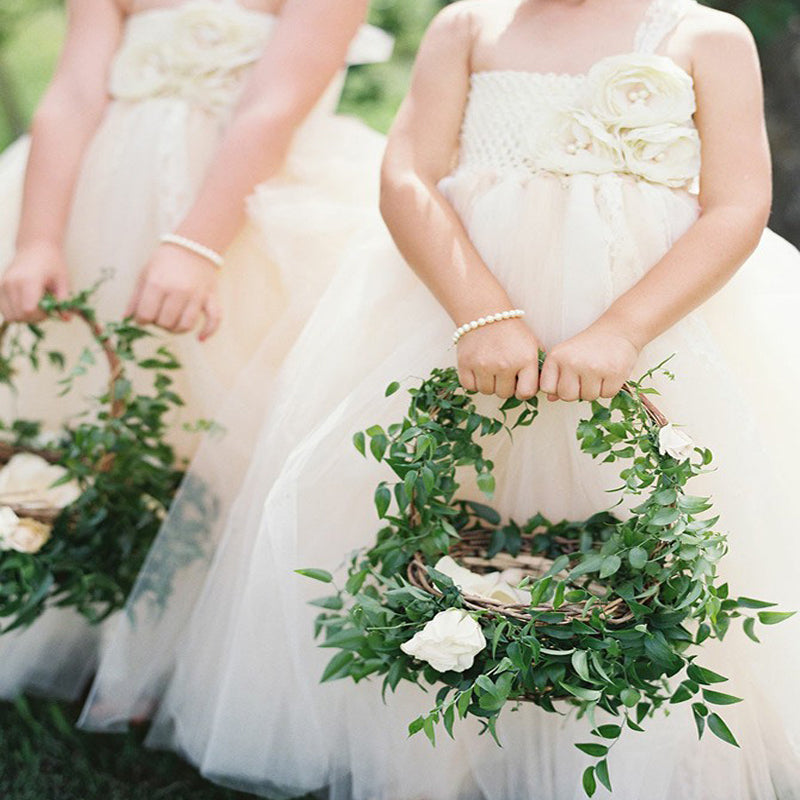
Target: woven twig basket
472 548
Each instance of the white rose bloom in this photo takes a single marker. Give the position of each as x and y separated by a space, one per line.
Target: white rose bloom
640 90
675 443
449 642
668 154
492 585
8 524
30 536
575 142
140 70
28 479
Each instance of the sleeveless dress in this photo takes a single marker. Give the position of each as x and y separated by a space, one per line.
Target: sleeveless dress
571 187
174 83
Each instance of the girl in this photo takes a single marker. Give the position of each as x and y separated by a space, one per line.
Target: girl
189 147
548 158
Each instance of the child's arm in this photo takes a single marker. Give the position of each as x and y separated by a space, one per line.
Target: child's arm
62 127
307 48
735 201
500 358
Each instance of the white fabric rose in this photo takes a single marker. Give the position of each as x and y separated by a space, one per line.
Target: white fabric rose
30 536
577 142
8 524
449 642
668 154
639 90
28 479
139 70
675 443
492 585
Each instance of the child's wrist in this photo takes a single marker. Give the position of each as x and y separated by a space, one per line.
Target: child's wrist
625 327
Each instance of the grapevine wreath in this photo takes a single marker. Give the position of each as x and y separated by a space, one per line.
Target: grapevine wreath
605 613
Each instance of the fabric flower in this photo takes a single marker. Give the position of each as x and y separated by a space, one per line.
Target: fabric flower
638 90
668 154
675 443
448 642
577 142
30 536
8 524
28 479
492 585
139 70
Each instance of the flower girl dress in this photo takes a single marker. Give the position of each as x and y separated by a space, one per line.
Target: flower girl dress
229 664
174 83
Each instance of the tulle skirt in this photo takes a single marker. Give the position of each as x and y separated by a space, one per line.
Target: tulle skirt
137 181
228 667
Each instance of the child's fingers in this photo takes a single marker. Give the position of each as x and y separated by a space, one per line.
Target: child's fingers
467 379
213 313
569 386
485 381
590 387
171 310
190 316
149 304
527 382
610 387
548 380
505 385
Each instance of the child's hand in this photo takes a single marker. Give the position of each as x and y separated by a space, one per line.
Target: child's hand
593 364
501 359
35 270
175 290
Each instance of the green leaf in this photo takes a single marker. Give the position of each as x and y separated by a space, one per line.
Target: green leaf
589 782
602 774
720 699
720 729
750 629
630 697
638 557
383 499
580 692
359 440
486 483
580 662
593 749
610 566
774 617
705 676
316 574
337 666
391 388
749 602
608 731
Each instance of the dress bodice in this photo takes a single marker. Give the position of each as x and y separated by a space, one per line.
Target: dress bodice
201 51
630 114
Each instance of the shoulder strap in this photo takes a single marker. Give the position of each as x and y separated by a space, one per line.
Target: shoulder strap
661 19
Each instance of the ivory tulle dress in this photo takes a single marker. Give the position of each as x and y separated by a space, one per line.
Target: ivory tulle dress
571 187
174 84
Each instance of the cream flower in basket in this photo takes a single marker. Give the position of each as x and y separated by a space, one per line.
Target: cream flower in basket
668 154
449 642
27 480
23 535
675 443
637 90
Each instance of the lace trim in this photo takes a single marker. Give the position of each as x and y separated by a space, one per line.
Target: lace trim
661 19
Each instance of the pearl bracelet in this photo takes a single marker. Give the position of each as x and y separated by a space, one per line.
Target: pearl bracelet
482 321
195 247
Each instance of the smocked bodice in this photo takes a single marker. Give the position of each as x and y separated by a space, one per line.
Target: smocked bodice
629 114
201 52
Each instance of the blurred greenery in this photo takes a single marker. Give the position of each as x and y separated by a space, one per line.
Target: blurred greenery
45 758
